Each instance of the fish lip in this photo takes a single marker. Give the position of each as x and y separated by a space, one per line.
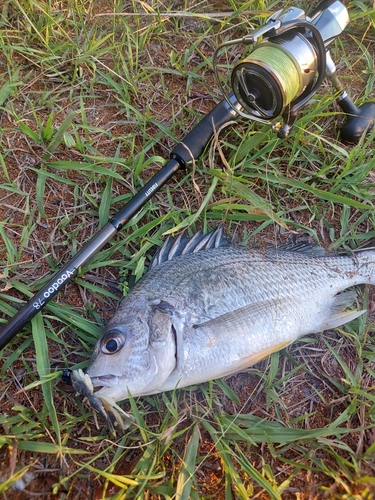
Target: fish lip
102 381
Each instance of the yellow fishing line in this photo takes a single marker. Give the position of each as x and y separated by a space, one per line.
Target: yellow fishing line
282 66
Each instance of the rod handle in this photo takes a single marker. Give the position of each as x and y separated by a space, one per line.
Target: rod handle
193 145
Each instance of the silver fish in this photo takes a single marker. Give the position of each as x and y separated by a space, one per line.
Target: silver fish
207 309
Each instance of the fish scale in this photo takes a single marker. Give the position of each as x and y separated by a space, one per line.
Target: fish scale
208 309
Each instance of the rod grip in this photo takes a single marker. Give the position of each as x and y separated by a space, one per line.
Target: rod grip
193 145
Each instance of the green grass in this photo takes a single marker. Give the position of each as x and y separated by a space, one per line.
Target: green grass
90 106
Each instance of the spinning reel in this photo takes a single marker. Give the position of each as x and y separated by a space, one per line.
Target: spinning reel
286 67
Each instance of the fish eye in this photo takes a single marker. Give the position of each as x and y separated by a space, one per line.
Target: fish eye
112 342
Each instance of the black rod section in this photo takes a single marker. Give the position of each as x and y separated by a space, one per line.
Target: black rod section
70 270
189 149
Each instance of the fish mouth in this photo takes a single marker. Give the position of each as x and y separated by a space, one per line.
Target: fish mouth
103 381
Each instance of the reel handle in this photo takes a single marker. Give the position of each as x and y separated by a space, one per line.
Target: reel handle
359 119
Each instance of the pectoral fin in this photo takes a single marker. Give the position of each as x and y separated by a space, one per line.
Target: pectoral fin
259 316
243 337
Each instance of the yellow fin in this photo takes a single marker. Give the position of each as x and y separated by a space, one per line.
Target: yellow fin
258 356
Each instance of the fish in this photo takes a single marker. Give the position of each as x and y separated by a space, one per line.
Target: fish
208 309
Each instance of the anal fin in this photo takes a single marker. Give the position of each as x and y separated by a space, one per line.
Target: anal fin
258 356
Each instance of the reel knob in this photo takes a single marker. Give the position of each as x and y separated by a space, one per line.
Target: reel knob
359 119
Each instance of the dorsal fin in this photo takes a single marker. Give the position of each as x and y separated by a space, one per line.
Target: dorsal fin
182 245
306 248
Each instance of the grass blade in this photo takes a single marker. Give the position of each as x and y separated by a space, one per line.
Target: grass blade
44 368
186 474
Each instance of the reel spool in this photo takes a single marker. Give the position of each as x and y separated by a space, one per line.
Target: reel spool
273 77
287 66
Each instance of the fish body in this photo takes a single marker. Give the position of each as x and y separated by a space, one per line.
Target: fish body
201 314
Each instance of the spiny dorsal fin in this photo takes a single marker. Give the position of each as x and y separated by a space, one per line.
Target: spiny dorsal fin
182 245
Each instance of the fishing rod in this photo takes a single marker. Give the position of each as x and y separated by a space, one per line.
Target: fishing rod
285 68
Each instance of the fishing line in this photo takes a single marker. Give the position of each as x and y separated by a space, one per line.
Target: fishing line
277 64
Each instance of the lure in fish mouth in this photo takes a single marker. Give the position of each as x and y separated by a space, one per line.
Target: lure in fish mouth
105 406
207 309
